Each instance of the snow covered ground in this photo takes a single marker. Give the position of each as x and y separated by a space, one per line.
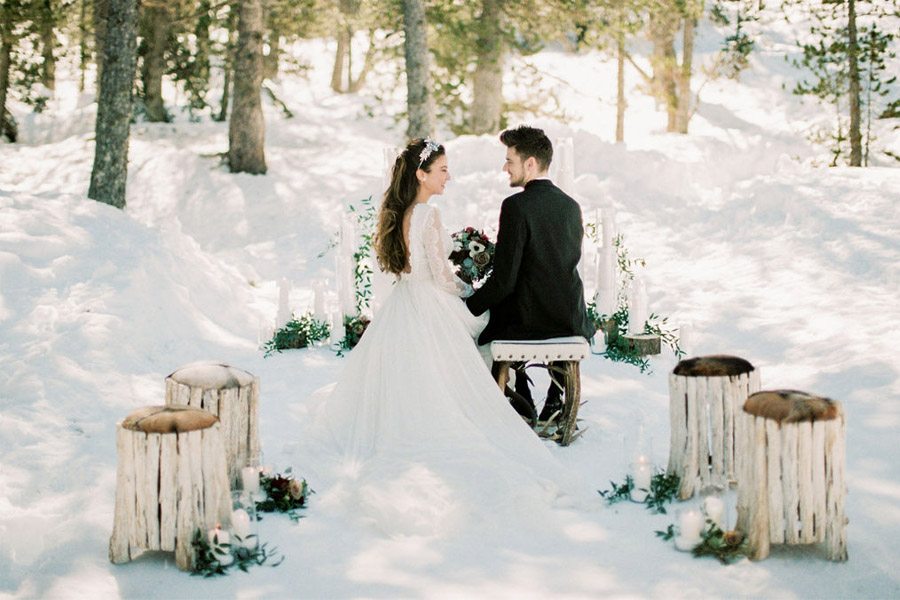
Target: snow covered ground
788 265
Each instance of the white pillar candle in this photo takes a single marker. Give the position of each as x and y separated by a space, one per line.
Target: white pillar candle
690 525
284 309
606 284
218 536
240 524
565 177
637 307
349 306
608 225
346 287
641 475
715 510
250 479
319 301
337 328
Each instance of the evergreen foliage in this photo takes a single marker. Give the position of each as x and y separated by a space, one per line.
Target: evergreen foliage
845 60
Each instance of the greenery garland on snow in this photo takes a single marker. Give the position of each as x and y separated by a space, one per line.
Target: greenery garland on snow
617 348
362 266
213 559
726 546
299 332
663 490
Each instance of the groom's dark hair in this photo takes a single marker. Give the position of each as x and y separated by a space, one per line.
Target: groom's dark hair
529 142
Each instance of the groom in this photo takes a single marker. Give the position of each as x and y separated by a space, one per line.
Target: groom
534 291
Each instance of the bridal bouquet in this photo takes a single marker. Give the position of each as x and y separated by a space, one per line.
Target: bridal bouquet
473 254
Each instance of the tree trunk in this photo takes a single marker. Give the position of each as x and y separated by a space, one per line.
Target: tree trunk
246 129
620 88
201 57
48 43
663 26
271 66
82 45
156 29
101 9
853 58
418 79
349 54
487 82
337 71
6 43
110 171
228 65
685 98
368 63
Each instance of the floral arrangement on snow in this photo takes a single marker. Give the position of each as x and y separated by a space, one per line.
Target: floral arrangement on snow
284 493
473 254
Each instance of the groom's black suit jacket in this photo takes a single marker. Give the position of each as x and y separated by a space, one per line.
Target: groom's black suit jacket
534 291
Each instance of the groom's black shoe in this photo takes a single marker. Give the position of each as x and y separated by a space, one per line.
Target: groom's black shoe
551 406
522 405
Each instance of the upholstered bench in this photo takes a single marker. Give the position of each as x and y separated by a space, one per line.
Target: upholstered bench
566 350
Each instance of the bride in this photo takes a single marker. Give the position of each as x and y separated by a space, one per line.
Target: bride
422 436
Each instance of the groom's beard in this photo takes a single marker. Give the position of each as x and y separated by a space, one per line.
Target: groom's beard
517 181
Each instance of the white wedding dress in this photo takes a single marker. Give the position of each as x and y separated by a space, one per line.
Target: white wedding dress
420 436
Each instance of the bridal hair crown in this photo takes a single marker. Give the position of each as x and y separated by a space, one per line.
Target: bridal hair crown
430 146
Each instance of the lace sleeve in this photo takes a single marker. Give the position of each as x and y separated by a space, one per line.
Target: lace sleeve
433 234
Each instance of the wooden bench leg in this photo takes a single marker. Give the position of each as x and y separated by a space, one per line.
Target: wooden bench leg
501 374
572 401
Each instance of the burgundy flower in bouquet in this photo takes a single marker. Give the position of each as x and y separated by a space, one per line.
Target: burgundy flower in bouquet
473 254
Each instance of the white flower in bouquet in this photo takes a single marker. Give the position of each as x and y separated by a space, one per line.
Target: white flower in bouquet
295 489
457 245
475 248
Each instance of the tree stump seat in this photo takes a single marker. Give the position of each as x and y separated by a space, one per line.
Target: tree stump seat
569 351
171 480
229 393
791 487
705 395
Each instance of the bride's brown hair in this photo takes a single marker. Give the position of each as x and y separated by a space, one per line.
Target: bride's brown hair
390 247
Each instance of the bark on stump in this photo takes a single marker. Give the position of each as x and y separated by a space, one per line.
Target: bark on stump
645 344
705 395
171 481
229 393
791 461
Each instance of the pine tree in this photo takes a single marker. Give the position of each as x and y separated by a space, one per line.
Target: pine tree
609 24
487 81
47 17
155 31
246 128
835 59
114 107
8 13
351 16
418 81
